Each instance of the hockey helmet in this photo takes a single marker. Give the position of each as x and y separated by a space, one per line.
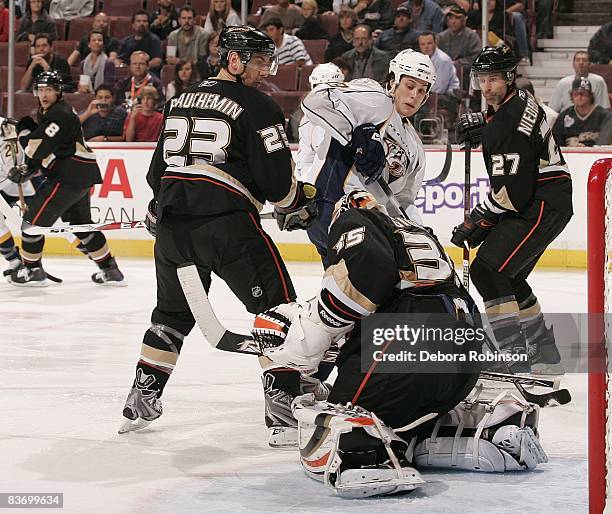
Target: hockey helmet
324 74
246 41
498 59
413 64
49 79
357 199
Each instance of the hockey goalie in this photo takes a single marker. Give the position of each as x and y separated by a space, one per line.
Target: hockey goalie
376 429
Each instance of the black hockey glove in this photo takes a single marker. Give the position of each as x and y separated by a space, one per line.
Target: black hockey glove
151 217
20 174
303 214
469 128
475 228
26 123
369 151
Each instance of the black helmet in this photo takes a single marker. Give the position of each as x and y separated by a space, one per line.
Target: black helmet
494 59
246 41
49 78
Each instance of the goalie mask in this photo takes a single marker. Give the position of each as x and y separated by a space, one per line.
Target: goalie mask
358 199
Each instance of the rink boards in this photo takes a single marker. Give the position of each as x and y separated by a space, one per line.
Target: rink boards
124 195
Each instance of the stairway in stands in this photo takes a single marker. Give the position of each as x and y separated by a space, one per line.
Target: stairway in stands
572 33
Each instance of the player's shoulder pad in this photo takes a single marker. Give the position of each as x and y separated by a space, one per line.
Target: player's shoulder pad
528 112
354 218
60 112
262 110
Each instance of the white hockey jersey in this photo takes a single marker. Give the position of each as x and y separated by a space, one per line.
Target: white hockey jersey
8 161
338 109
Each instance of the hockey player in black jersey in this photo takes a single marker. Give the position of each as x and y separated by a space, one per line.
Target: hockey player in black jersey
529 204
56 148
357 441
222 153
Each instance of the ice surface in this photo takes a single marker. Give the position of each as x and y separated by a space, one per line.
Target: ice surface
68 357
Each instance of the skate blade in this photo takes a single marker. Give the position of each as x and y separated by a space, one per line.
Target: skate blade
38 283
112 283
132 425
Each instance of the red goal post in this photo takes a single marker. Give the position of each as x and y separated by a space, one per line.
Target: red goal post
599 249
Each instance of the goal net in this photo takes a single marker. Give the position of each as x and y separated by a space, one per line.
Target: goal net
599 226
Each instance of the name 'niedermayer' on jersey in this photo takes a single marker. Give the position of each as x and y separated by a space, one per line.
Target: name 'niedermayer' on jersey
223 147
523 160
405 256
339 108
57 147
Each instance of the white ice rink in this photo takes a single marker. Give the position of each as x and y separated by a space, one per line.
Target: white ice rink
67 361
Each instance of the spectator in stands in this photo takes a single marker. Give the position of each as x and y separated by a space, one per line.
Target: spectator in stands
111 45
377 14
97 66
580 124
289 49
339 5
311 28
544 21
43 59
461 43
164 20
426 15
290 15
497 22
561 98
447 81
130 87
144 123
4 22
189 40
142 40
184 76
551 114
400 36
343 41
103 120
516 10
220 15
69 9
366 60
36 21
211 65
600 45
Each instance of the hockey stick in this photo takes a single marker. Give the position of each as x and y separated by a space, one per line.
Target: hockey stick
208 323
445 168
466 212
524 380
391 199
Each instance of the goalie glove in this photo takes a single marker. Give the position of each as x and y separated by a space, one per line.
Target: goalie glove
469 128
369 152
303 214
151 217
475 228
20 174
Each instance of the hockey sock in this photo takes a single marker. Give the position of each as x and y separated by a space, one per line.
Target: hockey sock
95 247
532 320
281 386
31 250
160 349
8 250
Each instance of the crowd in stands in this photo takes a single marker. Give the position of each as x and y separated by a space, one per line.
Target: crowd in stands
126 66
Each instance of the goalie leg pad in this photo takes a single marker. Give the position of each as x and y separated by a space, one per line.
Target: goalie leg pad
351 451
479 435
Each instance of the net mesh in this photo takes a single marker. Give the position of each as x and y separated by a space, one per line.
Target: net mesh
608 323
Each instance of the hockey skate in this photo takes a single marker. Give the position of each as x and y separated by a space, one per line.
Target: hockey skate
13 264
109 275
24 276
544 355
142 406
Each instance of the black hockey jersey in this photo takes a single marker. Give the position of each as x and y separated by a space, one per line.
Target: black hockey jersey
223 147
523 160
404 256
57 147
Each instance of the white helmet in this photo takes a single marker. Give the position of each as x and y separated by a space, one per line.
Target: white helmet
324 74
413 64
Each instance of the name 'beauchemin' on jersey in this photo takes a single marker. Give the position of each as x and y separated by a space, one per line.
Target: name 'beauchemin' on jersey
223 147
522 158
